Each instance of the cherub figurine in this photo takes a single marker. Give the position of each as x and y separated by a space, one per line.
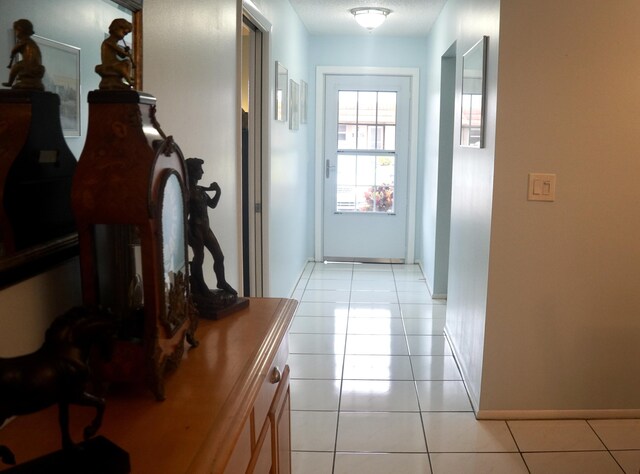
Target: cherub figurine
200 234
29 71
117 62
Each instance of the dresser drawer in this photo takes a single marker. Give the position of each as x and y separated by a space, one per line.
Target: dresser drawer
270 384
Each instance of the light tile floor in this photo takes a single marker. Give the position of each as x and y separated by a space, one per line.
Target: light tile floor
375 389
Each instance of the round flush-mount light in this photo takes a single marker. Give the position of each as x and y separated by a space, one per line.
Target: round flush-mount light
370 17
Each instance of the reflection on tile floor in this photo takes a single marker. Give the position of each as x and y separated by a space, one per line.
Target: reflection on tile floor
375 389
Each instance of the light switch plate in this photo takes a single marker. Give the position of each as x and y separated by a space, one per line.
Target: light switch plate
542 187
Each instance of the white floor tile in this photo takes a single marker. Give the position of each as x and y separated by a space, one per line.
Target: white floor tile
376 345
374 310
318 325
363 285
372 276
419 286
319 395
374 297
313 430
406 267
317 284
382 463
408 297
555 435
331 275
478 463
435 368
590 462
329 296
618 434
329 309
304 462
375 326
423 310
377 367
424 326
443 395
461 433
315 366
381 432
316 343
372 267
408 276
428 345
378 395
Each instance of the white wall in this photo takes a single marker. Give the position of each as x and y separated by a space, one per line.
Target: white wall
290 189
28 308
563 325
190 66
542 301
463 23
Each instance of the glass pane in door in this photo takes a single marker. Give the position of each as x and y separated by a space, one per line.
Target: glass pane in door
366 125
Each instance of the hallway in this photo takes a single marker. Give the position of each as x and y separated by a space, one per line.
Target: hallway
375 389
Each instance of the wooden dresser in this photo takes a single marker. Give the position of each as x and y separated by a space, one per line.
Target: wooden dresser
227 408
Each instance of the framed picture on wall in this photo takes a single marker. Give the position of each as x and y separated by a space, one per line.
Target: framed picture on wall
473 95
281 95
62 76
294 105
303 101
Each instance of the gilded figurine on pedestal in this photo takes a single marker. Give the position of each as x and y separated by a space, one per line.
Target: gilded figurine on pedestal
210 303
26 73
117 61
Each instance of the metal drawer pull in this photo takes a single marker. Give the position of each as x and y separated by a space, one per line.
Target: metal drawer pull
275 376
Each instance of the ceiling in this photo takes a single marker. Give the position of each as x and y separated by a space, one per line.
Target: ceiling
332 17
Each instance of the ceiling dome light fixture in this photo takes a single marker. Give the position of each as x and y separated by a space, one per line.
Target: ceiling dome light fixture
370 17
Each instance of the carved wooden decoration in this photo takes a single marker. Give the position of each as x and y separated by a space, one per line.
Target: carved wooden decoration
129 198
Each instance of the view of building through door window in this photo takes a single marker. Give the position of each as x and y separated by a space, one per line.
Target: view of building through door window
366 151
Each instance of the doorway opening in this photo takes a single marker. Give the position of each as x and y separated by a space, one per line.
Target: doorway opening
366 155
445 170
253 155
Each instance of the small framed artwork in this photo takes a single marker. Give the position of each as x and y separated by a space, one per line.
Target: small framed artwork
303 101
473 95
294 105
281 96
62 76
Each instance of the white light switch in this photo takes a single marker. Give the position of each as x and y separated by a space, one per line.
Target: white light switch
542 187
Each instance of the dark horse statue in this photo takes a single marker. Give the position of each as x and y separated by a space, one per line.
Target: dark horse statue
57 373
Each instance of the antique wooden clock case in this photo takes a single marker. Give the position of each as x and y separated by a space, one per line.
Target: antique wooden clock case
129 200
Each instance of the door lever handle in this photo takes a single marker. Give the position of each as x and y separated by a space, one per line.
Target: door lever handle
328 168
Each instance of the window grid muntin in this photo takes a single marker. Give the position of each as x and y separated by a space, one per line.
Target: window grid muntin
370 130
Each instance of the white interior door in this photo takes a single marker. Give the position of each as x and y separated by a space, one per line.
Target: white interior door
366 147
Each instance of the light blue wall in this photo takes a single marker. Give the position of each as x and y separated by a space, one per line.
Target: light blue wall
290 190
80 23
372 51
463 23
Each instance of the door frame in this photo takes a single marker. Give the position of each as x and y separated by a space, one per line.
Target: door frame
414 76
259 160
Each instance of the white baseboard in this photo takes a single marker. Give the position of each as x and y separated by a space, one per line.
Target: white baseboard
556 414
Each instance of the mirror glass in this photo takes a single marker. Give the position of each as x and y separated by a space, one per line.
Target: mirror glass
73 30
174 253
473 87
